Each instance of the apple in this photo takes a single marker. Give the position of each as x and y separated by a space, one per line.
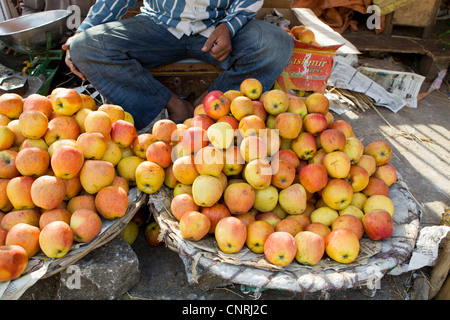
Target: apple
343 126
18 191
353 211
87 102
206 190
184 169
209 160
4 200
67 162
289 156
378 224
38 102
310 248
270 217
29 216
199 110
378 201
302 218
194 226
250 125
149 177
275 102
252 88
202 121
258 173
270 121
115 112
13 261
57 214
318 228
8 167
32 161
239 197
123 133
216 104
318 156
26 236
259 110
126 168
18 136
317 103
3 234
241 106
33 124
376 186
293 199
159 152
232 121
358 200
253 147
337 164
215 213
369 163
130 232
56 239
283 174
169 177
231 94
266 199
83 201
387 173
354 149
61 127
349 222
48 192
220 134
257 233
86 225
66 102
291 226
313 177
141 143
315 123
80 117
304 145
230 234
297 105
194 138
92 145
96 174
358 177
38 143
11 105
307 36
289 124
64 142
233 161
337 194
332 140
151 234
342 245
272 140
324 215
111 202
280 248
6 137
4 120
98 121
381 150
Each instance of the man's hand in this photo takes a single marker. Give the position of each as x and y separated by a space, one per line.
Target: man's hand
219 43
69 63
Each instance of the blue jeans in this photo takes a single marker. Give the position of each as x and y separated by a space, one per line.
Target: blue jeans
115 58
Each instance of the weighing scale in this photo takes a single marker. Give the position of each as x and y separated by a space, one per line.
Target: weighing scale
34 35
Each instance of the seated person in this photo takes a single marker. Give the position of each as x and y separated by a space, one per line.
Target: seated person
115 54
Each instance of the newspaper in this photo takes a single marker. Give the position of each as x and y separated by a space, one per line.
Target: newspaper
426 251
403 84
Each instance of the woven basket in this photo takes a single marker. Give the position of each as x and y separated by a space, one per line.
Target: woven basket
253 270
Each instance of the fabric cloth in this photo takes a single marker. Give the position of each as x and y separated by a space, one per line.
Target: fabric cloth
116 57
180 17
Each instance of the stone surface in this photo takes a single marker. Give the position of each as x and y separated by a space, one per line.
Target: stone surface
106 273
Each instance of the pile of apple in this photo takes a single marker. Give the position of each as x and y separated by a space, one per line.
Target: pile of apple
64 166
275 172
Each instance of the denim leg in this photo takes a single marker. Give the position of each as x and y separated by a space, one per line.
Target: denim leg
260 50
115 58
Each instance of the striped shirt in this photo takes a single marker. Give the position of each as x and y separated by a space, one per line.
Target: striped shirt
178 16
